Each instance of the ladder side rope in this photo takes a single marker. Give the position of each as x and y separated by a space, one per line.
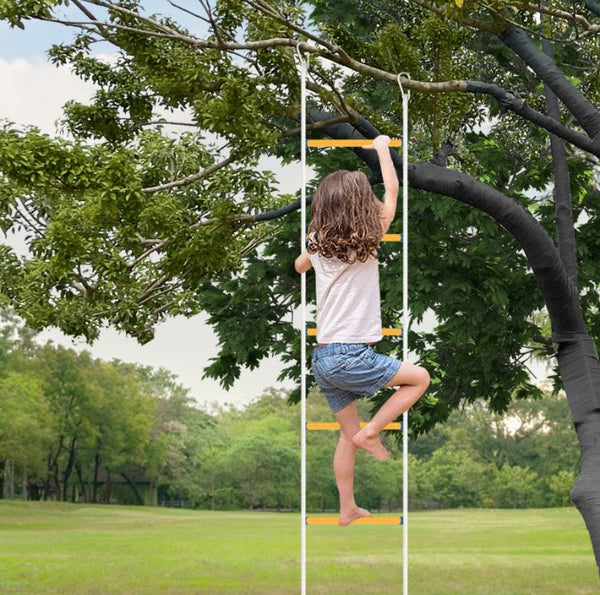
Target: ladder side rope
405 325
303 70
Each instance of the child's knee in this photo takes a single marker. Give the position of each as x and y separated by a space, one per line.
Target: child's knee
423 378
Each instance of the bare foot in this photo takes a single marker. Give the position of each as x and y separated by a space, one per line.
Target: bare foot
355 513
371 444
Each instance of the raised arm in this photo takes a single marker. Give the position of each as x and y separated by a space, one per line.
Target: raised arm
390 180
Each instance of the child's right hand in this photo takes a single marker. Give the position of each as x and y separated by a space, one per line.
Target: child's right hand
380 142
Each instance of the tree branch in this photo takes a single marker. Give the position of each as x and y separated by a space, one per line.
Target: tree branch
101 30
269 11
584 111
190 179
338 56
517 105
571 17
136 15
443 14
563 203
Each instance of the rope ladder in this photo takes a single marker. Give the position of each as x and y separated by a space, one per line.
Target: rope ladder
306 332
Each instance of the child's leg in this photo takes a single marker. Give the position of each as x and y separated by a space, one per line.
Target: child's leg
412 382
343 465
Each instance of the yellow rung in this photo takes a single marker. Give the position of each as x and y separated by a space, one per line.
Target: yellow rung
376 520
386 332
391 332
333 425
347 142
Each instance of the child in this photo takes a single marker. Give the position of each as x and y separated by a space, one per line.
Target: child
347 224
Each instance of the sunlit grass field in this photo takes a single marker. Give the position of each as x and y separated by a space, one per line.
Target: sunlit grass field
70 549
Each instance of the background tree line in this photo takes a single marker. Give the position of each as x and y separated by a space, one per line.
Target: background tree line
78 429
527 457
81 429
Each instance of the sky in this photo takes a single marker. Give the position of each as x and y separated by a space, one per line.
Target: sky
33 93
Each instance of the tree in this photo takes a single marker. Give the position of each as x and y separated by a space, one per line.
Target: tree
26 422
530 451
165 455
117 235
25 425
455 478
188 446
260 461
120 419
514 487
72 401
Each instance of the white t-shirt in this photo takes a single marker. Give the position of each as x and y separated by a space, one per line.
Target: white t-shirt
348 303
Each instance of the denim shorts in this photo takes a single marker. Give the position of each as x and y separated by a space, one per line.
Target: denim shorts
345 371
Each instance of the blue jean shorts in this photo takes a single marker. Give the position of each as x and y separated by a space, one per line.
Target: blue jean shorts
345 371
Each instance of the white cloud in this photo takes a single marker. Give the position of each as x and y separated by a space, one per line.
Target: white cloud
36 91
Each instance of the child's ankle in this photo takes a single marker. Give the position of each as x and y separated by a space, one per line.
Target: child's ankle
369 432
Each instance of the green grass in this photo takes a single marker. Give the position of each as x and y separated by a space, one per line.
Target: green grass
63 548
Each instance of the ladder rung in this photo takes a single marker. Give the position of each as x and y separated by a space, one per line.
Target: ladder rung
376 520
386 332
333 425
347 142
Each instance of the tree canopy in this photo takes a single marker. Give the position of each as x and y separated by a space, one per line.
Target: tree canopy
128 222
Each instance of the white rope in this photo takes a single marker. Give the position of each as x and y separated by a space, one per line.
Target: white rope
405 325
303 70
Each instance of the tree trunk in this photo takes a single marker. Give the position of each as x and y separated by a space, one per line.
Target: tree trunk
9 480
68 470
82 484
95 482
136 492
578 363
152 492
107 487
586 491
52 474
2 467
24 495
563 201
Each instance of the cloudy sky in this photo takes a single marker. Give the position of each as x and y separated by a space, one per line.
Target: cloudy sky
33 92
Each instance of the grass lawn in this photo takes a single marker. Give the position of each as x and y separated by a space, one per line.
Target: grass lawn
72 549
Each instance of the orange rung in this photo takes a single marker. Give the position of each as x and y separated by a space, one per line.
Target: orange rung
347 142
391 332
376 520
386 332
333 425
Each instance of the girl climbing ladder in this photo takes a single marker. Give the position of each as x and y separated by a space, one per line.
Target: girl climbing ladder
348 223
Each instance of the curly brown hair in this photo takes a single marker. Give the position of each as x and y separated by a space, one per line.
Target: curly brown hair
345 221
